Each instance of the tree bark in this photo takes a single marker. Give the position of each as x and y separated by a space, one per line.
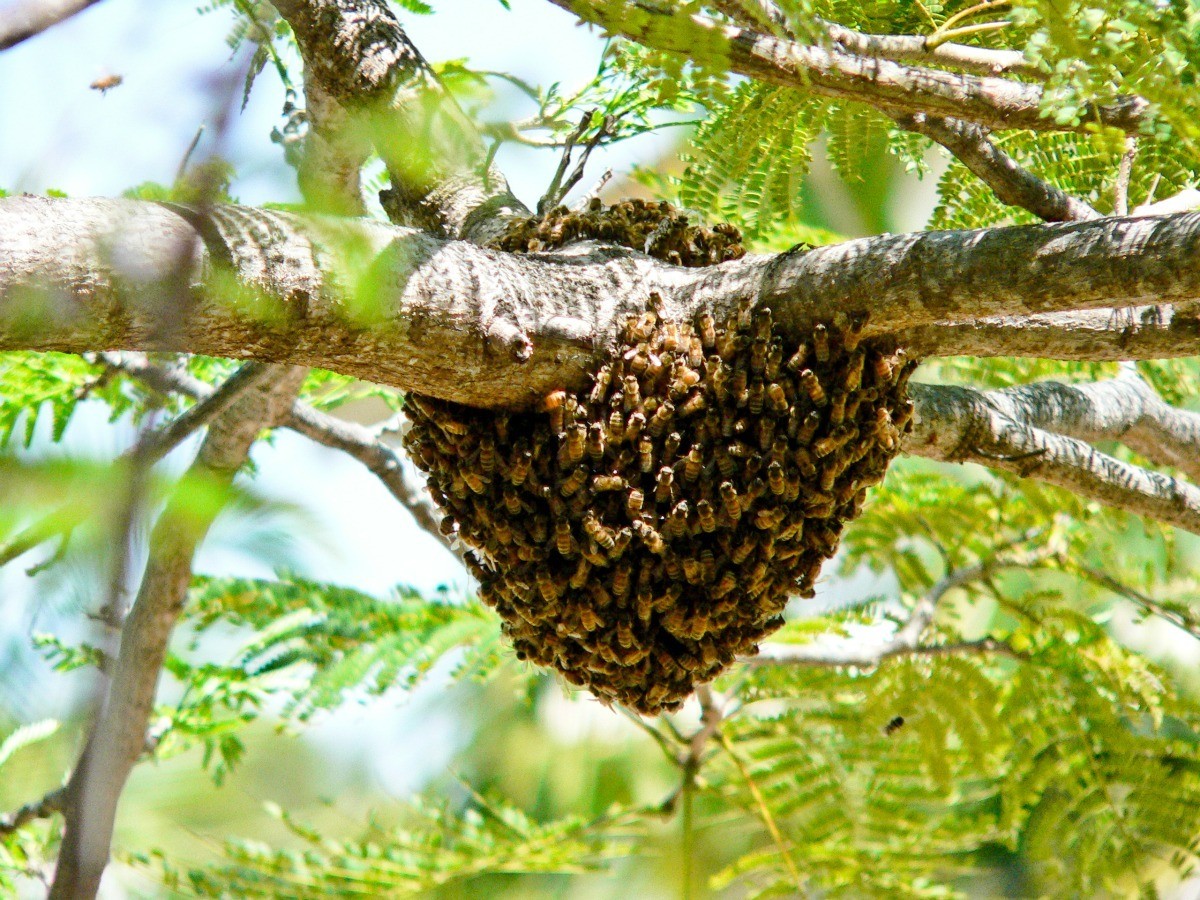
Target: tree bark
491 329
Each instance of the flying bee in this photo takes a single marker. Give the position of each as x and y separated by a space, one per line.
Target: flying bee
706 326
708 519
662 484
812 386
646 454
107 83
633 397
661 418
553 404
893 725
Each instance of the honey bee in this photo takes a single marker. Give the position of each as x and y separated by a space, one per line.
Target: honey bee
637 421
603 483
646 454
832 442
706 326
620 581
633 397
671 446
693 464
644 604
599 533
708 564
595 442
573 482
633 503
691 570
580 576
708 519
641 328
723 587
563 539
663 483
812 386
796 361
474 482
621 543
599 594
821 344
672 567
661 418
487 454
616 427
553 404
107 83
755 397
694 404
775 479
546 585
766 519
761 322
776 398
883 367
766 433
677 520
774 362
649 536
600 388
837 408
758 356
730 504
588 618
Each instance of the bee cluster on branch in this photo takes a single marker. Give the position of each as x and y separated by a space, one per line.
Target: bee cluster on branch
642 534
657 229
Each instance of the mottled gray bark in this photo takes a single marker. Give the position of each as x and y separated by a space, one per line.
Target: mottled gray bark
454 320
955 424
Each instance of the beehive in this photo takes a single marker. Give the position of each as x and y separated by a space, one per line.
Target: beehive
642 534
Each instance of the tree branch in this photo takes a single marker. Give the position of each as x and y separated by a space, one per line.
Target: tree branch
498 330
1125 409
1010 182
1138 332
44 808
357 441
906 641
894 88
366 84
955 424
118 736
31 17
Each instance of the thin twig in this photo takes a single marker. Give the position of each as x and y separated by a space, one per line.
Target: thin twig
1124 172
49 805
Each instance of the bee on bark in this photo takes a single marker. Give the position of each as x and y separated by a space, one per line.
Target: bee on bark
821 344
553 404
761 322
706 327
600 388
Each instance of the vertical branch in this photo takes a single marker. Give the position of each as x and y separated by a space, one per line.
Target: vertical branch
119 734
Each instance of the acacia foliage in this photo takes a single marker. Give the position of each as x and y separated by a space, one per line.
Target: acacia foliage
1047 745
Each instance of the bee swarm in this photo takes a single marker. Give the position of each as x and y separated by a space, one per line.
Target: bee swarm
641 535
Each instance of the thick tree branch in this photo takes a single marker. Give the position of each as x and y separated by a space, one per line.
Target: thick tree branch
1125 409
894 88
118 736
1139 332
31 17
367 85
497 330
1011 183
955 424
